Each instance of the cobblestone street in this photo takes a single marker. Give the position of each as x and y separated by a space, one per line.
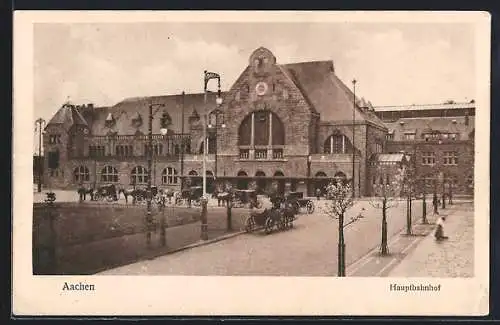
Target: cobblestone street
310 249
450 258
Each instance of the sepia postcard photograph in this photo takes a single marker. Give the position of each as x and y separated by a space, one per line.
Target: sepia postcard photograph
251 163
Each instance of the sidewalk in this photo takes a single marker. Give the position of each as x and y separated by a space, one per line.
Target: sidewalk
419 254
451 258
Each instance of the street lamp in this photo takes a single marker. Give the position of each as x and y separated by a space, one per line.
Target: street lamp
40 124
207 76
309 160
353 131
149 219
218 114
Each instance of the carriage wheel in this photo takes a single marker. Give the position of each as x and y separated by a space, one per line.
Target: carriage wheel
310 207
249 224
109 198
97 197
269 225
196 203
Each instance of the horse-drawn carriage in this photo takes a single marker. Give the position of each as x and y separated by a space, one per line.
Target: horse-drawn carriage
242 198
270 219
106 192
140 195
297 200
190 195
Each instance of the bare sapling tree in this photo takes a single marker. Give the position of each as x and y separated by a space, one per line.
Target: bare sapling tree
409 190
339 201
386 195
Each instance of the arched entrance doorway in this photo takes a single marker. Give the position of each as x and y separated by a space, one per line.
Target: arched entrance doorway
261 182
280 182
242 182
193 179
320 183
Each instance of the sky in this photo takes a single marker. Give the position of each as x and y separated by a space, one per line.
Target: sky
104 63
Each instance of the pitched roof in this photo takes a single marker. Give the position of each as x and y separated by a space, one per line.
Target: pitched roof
429 125
390 157
326 93
124 111
68 115
424 107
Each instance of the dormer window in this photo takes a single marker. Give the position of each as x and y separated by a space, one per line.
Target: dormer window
165 120
110 120
136 120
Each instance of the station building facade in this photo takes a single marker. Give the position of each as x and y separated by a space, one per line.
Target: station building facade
280 127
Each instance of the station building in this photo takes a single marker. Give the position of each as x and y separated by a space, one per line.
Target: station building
280 126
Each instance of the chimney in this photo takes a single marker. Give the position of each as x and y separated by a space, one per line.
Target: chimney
90 106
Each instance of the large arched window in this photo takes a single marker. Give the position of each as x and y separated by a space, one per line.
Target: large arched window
81 174
139 175
169 176
109 174
337 143
261 129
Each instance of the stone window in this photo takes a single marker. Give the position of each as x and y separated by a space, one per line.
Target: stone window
390 136
211 146
409 137
169 176
379 147
97 151
428 158
157 149
81 174
124 150
337 143
285 93
450 158
139 175
109 174
55 139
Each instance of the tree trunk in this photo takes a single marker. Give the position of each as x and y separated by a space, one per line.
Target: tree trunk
384 249
341 248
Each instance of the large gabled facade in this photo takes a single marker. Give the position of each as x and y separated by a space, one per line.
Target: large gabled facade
286 127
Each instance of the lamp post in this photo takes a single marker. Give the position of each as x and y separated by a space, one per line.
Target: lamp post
309 160
182 142
207 76
163 232
40 124
353 132
217 113
149 218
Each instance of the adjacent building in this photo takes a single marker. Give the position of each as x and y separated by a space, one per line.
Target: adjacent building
280 126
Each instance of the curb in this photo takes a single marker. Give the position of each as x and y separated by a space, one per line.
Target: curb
197 244
155 255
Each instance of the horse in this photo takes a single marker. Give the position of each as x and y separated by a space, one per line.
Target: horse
134 193
82 192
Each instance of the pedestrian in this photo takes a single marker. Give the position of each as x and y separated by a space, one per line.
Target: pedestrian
318 193
435 203
81 192
439 232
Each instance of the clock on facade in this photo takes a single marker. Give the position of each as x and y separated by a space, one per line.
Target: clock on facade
261 88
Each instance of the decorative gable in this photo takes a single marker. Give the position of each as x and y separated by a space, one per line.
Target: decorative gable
110 121
165 120
262 61
136 120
